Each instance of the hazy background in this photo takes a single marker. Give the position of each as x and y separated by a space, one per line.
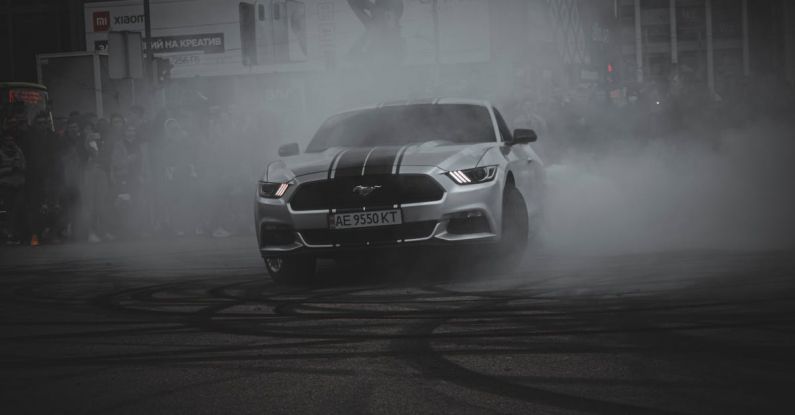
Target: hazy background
641 194
633 165
723 180
657 169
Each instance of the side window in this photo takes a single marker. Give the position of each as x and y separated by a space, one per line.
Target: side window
505 132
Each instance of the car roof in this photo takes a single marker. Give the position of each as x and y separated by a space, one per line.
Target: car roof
22 85
425 101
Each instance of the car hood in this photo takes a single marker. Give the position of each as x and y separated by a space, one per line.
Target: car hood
444 155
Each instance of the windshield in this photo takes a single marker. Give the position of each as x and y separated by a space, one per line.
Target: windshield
401 125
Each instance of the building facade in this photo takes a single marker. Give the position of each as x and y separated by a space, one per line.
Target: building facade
36 26
711 43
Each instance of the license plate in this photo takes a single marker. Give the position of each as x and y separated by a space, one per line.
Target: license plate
365 219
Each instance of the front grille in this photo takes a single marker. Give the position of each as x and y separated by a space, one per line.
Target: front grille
338 193
378 235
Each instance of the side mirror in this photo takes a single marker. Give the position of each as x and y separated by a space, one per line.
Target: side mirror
288 150
524 136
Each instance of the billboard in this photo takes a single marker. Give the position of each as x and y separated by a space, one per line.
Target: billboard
223 37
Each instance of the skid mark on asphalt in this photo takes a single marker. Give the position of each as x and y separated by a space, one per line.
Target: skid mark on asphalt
439 329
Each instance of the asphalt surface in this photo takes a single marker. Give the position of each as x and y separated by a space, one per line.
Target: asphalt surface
196 326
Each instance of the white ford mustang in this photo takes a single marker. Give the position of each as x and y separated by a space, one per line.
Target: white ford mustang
442 172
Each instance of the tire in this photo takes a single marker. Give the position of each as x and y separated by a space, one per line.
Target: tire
515 229
291 270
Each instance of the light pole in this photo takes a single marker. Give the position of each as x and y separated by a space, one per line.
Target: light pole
150 59
746 48
638 44
710 50
10 28
435 14
674 34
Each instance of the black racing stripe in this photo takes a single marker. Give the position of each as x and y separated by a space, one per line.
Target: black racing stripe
381 161
352 162
397 171
331 172
333 160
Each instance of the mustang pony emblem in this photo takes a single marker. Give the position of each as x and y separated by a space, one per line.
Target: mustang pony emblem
365 191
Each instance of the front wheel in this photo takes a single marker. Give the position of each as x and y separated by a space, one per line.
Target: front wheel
515 229
290 270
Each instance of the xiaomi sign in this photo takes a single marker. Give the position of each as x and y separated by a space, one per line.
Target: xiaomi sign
101 21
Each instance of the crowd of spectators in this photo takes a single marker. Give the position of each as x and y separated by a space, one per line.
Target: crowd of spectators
175 173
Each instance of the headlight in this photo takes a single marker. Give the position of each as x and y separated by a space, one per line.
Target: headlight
272 190
473 176
278 172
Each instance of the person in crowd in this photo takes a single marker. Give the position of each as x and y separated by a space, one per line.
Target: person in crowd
111 134
103 127
41 206
126 179
73 155
136 117
216 169
90 118
95 188
12 183
178 174
21 129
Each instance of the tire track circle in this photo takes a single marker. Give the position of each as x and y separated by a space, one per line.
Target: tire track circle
418 349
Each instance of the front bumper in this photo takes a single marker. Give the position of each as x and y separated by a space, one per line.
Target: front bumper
464 215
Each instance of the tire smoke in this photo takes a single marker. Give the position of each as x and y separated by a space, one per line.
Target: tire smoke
675 194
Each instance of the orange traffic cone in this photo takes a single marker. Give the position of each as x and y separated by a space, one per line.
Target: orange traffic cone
34 240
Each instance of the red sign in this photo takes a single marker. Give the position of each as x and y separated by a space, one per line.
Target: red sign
101 21
27 96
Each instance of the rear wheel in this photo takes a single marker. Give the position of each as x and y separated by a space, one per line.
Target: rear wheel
298 269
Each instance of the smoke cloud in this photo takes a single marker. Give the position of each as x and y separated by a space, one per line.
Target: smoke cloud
688 193
607 194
